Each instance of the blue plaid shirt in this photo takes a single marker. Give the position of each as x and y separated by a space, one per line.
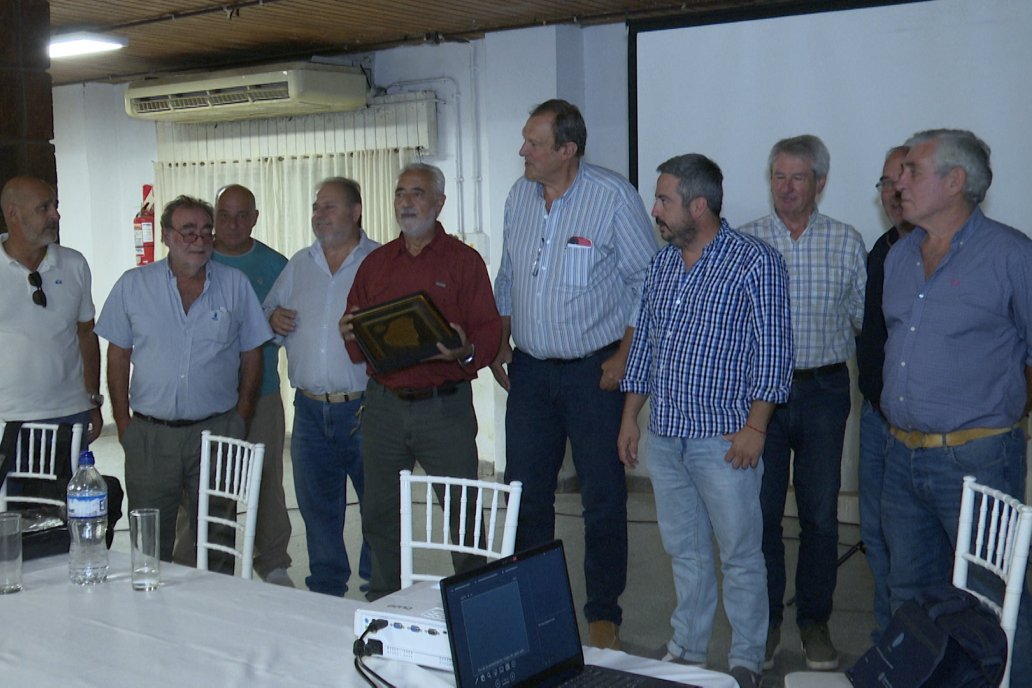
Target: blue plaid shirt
712 339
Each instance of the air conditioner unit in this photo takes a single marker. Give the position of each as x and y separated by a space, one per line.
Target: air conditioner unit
296 88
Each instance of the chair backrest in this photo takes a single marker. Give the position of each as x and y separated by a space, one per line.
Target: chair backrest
998 542
476 495
230 469
36 458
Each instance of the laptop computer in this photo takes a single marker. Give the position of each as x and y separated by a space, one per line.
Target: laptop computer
512 624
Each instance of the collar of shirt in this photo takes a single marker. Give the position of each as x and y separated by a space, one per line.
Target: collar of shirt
571 190
50 258
399 248
171 280
965 233
362 249
780 224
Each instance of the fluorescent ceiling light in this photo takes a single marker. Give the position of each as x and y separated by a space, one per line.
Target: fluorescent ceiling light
84 43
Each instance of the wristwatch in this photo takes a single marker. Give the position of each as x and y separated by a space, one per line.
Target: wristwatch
97 399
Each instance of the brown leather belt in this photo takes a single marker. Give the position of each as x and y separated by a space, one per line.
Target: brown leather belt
915 439
333 398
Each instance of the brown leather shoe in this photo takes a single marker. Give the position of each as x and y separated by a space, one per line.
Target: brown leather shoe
604 634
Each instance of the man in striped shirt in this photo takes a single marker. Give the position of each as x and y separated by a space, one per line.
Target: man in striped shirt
712 349
827 278
577 241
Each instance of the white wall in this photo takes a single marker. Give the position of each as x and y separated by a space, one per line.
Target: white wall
863 80
103 159
605 96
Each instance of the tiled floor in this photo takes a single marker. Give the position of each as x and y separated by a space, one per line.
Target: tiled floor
649 597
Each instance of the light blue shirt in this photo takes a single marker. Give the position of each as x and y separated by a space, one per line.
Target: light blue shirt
827 269
712 339
570 277
262 265
316 358
959 341
186 366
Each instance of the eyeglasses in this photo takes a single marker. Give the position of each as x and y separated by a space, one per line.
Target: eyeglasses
38 297
205 234
885 185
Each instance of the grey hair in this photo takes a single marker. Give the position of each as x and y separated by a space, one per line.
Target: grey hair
352 190
435 174
697 176
960 148
806 146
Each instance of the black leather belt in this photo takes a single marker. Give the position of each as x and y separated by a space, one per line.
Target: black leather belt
811 373
173 423
604 350
420 394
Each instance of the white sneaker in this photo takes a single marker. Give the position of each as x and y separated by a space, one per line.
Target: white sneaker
278 577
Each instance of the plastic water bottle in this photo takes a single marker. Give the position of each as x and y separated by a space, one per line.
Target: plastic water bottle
87 524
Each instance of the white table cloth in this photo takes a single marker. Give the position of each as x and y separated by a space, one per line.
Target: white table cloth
205 629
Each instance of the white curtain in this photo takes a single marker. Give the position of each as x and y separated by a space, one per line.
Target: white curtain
284 186
284 190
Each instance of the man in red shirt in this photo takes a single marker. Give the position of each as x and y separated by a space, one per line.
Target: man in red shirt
423 412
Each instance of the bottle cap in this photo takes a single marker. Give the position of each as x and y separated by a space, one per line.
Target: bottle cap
86 458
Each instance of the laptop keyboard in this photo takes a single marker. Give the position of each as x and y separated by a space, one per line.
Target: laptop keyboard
595 677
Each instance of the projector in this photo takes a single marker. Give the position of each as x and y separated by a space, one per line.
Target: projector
416 631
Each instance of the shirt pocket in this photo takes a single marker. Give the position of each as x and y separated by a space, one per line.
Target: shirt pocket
217 326
577 264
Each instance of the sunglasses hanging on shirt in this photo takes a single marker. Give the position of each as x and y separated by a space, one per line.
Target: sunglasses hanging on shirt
38 297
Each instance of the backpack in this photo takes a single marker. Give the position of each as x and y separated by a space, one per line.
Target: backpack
943 638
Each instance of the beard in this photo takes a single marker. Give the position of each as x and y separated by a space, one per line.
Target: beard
682 235
416 228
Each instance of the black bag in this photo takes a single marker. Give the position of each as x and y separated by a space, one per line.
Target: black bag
944 638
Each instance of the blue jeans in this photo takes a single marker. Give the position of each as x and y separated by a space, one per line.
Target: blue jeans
326 449
812 425
921 507
551 401
699 495
874 439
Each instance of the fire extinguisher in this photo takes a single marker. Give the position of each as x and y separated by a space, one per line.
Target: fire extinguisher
143 228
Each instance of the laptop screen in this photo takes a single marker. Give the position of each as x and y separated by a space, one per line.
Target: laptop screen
512 622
